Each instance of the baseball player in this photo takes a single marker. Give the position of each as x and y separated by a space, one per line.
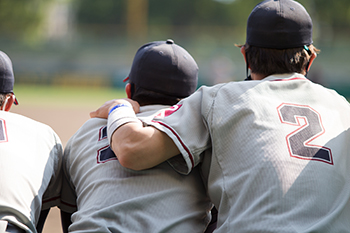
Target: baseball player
278 154
30 163
106 197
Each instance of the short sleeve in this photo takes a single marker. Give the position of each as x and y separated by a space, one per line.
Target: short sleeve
186 124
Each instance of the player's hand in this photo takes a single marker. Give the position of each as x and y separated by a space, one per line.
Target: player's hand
102 112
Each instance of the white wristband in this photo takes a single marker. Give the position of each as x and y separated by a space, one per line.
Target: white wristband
118 116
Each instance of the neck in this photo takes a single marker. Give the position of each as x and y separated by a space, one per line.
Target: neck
256 76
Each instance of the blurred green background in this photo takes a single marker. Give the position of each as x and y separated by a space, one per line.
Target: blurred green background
87 44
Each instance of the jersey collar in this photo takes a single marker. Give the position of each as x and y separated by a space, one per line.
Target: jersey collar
285 77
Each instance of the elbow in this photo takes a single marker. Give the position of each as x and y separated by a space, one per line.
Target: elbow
130 147
129 163
128 158
131 166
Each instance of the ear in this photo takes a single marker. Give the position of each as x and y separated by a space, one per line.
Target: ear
244 54
312 58
8 103
128 90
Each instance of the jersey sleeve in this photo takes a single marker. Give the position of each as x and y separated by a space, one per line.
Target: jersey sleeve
187 125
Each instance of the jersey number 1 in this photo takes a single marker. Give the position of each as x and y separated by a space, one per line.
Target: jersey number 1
309 128
105 153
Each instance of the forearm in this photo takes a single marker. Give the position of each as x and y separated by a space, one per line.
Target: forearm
137 147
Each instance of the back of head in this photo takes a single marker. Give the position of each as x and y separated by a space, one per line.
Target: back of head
278 35
162 71
7 78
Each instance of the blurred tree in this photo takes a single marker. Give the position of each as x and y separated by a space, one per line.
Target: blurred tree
199 12
23 19
335 13
100 12
195 13
137 19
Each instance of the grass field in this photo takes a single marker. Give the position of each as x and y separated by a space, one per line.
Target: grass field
30 95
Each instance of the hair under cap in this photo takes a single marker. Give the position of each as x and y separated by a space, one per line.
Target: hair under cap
164 67
279 24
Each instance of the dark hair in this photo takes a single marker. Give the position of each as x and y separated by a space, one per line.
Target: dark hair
267 61
147 97
2 98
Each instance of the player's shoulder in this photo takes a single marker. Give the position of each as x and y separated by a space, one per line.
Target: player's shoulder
22 120
207 95
210 90
20 123
93 126
335 96
231 88
94 122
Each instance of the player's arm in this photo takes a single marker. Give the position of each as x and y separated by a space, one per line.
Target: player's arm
137 147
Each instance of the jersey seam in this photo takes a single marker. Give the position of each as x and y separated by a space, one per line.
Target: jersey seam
214 154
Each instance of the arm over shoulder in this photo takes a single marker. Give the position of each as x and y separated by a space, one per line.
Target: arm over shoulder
138 147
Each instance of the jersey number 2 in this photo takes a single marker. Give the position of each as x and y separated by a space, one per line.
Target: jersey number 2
309 128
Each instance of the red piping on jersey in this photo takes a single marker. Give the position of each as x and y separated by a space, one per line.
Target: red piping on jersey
289 79
52 199
99 153
178 138
100 133
67 204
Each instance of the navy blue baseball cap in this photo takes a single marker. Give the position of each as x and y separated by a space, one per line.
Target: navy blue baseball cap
7 79
164 67
279 24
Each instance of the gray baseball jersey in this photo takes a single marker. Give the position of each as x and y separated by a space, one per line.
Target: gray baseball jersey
30 169
280 156
111 198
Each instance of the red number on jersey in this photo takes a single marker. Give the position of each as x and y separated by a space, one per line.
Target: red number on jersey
310 127
167 112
